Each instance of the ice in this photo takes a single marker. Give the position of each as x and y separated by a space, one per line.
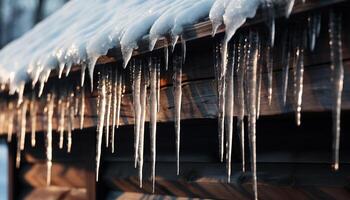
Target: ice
136 90
70 121
259 81
153 117
24 107
251 107
314 23
289 7
109 105
216 13
299 82
166 57
83 30
61 127
270 12
236 13
177 83
50 110
240 71
285 60
221 98
269 66
102 90
229 108
10 121
335 43
33 112
82 107
143 98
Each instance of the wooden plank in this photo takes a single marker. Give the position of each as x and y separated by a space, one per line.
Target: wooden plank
56 193
276 181
200 99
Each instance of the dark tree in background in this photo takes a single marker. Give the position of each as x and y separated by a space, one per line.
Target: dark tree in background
19 16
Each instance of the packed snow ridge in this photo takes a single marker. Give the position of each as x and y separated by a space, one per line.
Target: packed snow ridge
83 30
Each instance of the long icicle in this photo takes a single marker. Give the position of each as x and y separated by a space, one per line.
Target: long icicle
10 121
115 103
137 107
251 81
143 97
335 43
24 107
229 107
217 69
61 127
50 109
109 105
299 78
33 112
153 118
82 107
101 119
177 82
70 109
259 81
285 60
240 70
222 90
269 65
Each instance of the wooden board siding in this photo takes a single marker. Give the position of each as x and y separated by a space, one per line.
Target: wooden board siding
199 87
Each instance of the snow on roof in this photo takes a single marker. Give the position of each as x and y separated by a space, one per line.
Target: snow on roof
83 30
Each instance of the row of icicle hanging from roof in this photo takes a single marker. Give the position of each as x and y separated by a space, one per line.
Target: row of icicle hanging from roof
242 58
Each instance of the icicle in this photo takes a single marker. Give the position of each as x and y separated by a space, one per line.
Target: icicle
314 23
117 94
285 60
153 118
121 90
82 107
70 121
18 152
33 112
251 86
91 68
335 43
109 105
62 108
76 100
166 57
299 80
271 20
137 107
23 123
10 122
259 81
289 7
217 69
82 78
50 109
183 49
221 95
158 84
269 65
240 96
143 96
177 82
229 107
18 130
101 119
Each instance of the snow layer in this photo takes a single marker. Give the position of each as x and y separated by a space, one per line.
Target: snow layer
83 30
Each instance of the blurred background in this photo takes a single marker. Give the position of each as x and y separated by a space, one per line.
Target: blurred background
19 16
